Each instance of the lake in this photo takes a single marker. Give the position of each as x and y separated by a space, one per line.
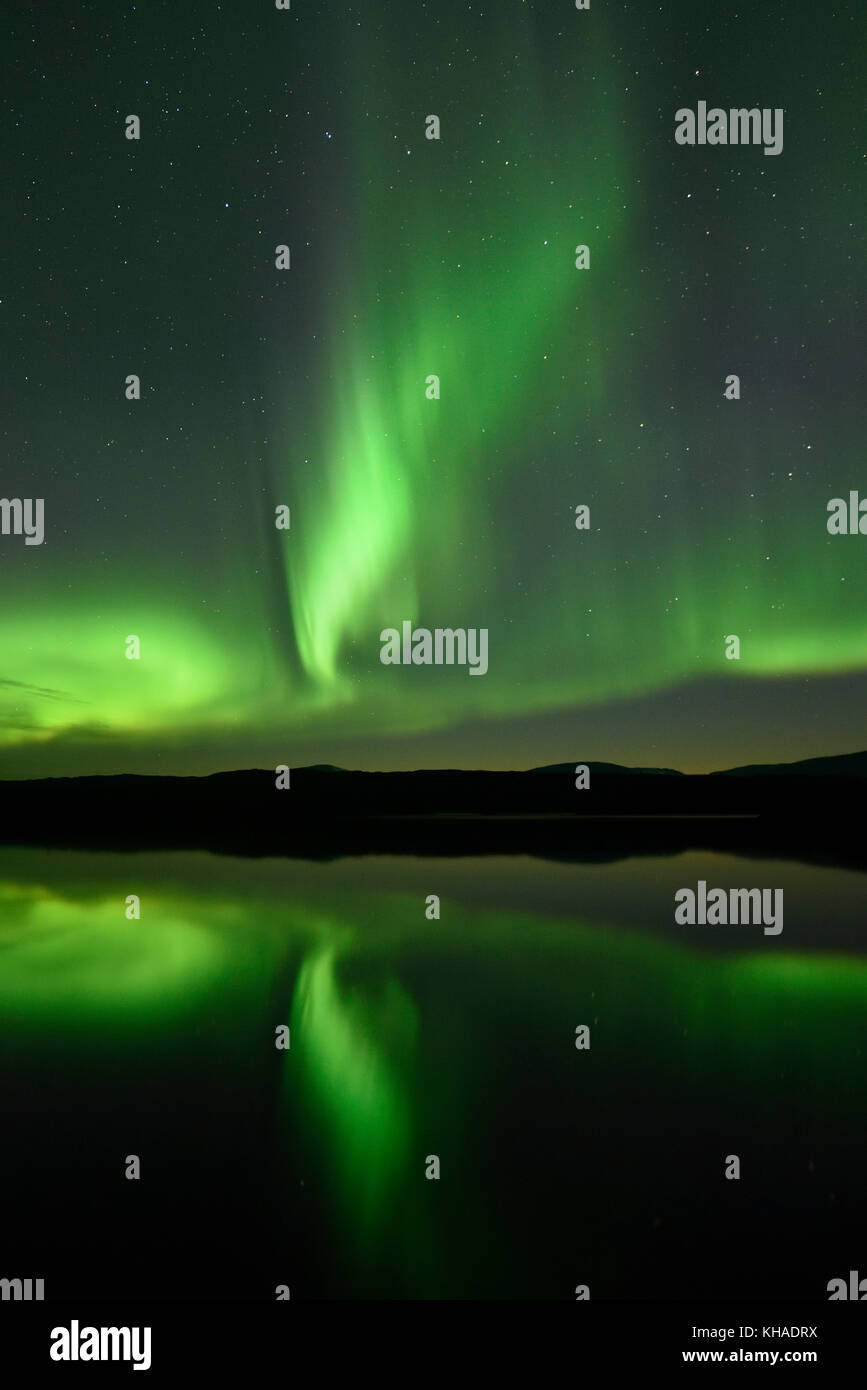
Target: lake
413 1039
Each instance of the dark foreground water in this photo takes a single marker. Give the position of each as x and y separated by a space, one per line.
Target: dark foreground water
410 1038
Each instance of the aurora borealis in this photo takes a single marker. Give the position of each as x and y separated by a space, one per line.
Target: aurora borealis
410 258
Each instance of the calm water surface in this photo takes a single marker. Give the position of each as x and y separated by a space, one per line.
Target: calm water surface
411 1038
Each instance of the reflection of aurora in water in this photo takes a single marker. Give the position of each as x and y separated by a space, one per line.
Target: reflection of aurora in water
355 1049
411 1037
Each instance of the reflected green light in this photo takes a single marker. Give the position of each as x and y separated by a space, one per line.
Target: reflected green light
410 1036
88 962
352 1044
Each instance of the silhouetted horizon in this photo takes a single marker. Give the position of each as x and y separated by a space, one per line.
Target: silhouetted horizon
852 764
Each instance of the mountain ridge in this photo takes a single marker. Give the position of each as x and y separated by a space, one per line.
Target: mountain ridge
834 765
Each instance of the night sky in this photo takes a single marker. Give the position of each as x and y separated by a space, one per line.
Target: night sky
305 387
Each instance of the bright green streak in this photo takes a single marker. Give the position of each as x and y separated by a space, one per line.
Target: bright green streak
419 509
353 1047
458 260
479 288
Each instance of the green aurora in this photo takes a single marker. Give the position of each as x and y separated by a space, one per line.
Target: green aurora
559 387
